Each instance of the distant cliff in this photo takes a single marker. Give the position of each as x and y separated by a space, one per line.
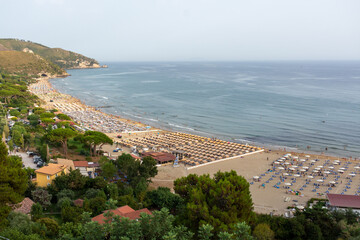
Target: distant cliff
60 57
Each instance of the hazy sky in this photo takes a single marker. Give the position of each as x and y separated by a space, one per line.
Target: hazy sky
161 30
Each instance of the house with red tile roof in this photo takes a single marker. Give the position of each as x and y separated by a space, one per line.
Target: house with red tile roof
342 201
124 211
24 206
86 168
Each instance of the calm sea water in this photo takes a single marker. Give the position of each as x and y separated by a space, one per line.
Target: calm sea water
292 104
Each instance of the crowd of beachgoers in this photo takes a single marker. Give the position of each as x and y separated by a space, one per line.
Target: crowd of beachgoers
87 117
311 176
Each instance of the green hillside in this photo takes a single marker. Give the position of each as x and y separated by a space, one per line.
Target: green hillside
22 63
63 58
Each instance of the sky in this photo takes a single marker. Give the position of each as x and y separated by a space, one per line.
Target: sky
189 30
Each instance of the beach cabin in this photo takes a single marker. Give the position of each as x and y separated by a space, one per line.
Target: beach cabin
160 157
46 174
342 201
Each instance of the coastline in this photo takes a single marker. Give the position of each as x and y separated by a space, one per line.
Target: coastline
266 200
71 99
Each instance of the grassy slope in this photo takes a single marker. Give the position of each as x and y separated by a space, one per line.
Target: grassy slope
58 56
27 63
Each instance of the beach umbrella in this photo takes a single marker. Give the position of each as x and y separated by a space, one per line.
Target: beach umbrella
331 167
310 177
320 166
357 167
294 166
305 167
320 180
302 160
292 169
340 171
302 170
307 156
315 171
285 174
281 168
301 207
288 184
256 177
327 172
296 175
352 174
313 161
332 182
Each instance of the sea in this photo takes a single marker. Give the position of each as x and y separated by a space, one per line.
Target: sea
311 106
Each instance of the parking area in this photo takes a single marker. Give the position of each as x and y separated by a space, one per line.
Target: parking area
27 161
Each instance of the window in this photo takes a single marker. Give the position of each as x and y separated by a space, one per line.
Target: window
48 177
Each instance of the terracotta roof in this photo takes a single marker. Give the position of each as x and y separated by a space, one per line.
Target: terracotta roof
349 201
51 169
24 206
68 163
160 156
124 211
85 164
81 163
78 202
134 156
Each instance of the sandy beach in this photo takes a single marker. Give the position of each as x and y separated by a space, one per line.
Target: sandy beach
276 181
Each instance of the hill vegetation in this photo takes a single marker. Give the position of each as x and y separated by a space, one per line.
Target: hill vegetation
62 58
23 63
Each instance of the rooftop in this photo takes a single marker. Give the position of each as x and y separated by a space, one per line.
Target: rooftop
349 201
51 169
124 211
85 164
24 206
160 156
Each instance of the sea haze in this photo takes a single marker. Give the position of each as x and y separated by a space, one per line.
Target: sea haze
292 104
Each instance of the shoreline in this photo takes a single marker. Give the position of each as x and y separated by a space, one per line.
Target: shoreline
258 163
72 99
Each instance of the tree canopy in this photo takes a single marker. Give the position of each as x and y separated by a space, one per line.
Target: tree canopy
221 201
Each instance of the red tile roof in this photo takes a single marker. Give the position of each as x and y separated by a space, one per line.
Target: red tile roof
24 206
124 211
160 156
81 163
349 201
79 202
85 164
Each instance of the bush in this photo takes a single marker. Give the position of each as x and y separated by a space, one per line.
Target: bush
52 227
47 115
66 193
14 113
62 116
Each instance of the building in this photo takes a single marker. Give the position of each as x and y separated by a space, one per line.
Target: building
341 201
24 206
68 163
45 175
124 211
160 157
86 168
